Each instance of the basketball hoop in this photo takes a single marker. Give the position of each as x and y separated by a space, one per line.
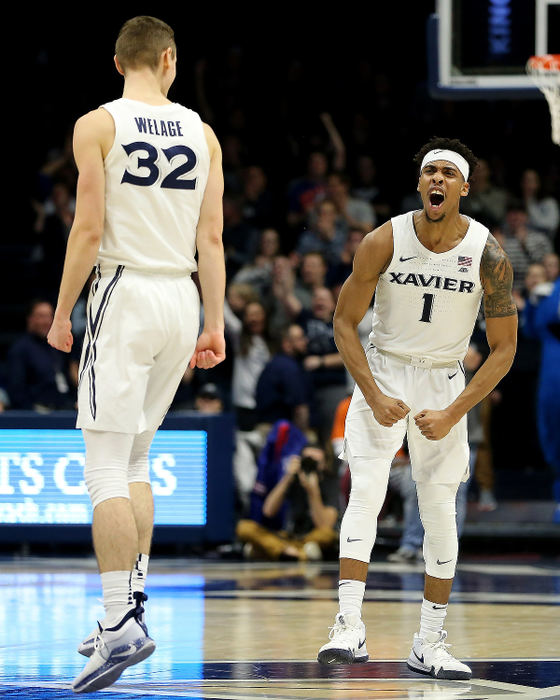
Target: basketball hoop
545 72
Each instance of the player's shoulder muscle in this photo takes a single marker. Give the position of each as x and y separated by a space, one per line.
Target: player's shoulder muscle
212 141
374 252
96 128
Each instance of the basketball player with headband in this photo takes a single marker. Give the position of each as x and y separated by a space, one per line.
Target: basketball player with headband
429 270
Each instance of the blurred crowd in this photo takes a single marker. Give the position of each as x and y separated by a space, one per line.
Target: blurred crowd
290 237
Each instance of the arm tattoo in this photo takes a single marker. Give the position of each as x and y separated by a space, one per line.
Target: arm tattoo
496 275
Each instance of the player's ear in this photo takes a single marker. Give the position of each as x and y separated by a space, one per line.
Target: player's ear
118 65
465 189
168 56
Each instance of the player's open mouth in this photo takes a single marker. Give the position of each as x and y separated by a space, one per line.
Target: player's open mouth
436 198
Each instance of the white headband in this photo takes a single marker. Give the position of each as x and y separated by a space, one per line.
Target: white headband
451 156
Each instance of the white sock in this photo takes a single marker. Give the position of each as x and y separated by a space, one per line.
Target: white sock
117 594
432 617
139 573
351 596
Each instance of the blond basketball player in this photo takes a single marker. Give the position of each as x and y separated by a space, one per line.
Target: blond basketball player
429 270
149 196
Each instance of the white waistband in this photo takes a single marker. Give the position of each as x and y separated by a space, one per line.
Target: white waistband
416 361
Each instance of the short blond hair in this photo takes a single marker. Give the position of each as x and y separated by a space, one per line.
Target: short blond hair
141 42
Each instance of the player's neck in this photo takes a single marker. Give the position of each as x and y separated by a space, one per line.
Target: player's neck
440 235
144 86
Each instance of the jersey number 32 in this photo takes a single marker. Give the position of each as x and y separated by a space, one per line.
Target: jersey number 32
172 180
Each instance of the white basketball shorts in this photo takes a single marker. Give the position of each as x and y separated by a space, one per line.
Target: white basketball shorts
141 333
444 461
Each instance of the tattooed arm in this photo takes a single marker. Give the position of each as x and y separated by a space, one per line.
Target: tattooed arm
496 276
501 327
501 331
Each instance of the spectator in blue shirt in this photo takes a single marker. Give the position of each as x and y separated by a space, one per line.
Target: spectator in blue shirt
323 361
37 377
542 320
284 389
326 233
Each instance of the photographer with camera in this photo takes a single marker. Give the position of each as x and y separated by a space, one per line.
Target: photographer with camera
294 504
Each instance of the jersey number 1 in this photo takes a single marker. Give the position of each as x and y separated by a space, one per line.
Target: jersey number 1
173 180
428 306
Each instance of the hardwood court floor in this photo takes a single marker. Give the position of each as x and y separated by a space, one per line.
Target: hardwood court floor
239 631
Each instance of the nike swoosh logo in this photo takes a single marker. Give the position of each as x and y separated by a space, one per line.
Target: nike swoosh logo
450 376
357 539
444 562
125 653
405 259
439 607
420 658
361 644
344 583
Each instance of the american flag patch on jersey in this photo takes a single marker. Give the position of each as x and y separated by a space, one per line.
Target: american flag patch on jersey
464 261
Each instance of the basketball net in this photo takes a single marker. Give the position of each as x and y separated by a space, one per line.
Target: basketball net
545 72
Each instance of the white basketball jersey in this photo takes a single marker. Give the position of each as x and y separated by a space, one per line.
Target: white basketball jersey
155 176
426 303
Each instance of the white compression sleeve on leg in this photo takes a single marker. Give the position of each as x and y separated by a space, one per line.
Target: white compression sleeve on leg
359 524
139 465
106 469
437 511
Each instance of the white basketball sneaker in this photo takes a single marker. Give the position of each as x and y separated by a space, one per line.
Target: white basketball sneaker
86 648
430 656
115 648
347 643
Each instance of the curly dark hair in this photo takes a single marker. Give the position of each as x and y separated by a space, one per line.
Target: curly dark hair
448 144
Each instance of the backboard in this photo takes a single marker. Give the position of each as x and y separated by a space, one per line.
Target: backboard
477 49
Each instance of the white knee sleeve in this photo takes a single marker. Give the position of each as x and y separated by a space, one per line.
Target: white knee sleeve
359 524
139 464
107 456
437 510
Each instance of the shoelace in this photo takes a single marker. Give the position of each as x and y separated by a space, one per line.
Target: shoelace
342 632
98 643
440 647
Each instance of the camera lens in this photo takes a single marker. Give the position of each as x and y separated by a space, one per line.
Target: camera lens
308 465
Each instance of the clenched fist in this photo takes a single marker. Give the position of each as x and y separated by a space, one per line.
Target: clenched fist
387 411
